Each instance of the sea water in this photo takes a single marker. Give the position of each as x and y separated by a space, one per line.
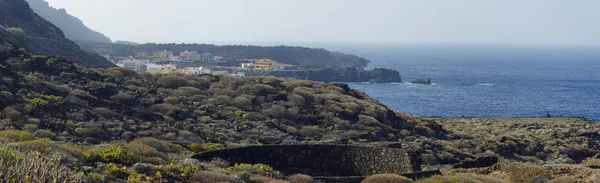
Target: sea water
487 80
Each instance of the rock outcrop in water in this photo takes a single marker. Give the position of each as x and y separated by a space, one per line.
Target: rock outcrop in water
426 81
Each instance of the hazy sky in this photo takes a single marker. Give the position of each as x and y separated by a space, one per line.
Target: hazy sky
255 21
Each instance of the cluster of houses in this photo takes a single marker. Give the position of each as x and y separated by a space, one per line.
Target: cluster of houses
146 62
183 56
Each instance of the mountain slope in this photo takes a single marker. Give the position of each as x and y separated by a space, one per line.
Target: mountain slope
73 28
42 36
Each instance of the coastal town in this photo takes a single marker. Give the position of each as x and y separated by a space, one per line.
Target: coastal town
193 62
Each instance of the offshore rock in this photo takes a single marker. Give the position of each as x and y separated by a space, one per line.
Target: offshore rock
426 81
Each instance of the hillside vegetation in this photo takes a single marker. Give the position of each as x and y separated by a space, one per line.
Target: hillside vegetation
117 125
105 121
41 36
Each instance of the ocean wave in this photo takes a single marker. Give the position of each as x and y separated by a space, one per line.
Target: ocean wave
486 84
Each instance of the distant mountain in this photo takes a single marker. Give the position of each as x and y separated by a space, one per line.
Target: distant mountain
127 43
40 36
295 55
73 28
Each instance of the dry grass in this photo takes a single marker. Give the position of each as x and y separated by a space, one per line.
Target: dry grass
386 178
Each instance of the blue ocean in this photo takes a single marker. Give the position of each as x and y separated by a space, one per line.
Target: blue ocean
487 80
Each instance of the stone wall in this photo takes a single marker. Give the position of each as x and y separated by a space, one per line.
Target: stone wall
319 160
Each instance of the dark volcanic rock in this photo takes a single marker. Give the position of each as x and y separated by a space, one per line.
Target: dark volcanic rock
319 160
426 81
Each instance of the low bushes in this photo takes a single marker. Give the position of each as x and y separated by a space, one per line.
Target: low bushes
386 178
15 167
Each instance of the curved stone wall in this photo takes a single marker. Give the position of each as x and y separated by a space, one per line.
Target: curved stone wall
319 160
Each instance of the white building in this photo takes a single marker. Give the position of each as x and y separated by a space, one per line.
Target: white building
247 65
202 70
136 65
239 74
173 58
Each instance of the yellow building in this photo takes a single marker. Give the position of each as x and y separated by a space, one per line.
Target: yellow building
161 69
264 64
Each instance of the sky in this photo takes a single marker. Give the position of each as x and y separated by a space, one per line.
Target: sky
537 22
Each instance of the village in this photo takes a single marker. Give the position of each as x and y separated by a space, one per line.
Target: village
192 62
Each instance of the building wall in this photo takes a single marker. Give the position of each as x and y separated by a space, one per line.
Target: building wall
263 64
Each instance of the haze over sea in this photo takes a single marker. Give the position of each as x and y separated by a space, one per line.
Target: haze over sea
486 80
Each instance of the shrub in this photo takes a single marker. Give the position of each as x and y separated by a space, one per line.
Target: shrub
448 179
145 154
205 147
162 108
564 179
206 176
17 32
172 100
187 91
255 168
296 99
115 170
44 134
386 178
124 71
39 145
171 81
310 131
110 154
525 173
15 167
105 113
300 178
239 113
242 102
122 97
159 145
12 114
15 136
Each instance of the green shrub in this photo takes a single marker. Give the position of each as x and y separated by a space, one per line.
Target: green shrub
122 97
110 154
17 32
146 154
239 113
159 145
171 81
15 136
255 168
115 170
36 102
209 146
525 173
386 178
39 145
